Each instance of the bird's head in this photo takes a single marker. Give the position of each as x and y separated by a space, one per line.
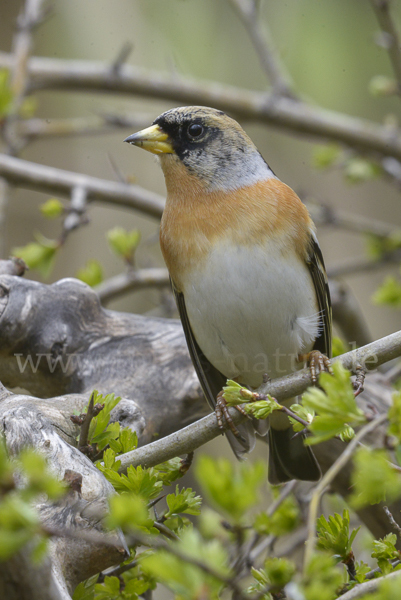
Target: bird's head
210 145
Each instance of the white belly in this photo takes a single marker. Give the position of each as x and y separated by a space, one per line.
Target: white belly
252 311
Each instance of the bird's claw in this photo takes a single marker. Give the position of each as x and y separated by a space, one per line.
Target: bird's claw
222 414
318 363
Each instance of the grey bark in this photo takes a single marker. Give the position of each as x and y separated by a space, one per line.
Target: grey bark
75 346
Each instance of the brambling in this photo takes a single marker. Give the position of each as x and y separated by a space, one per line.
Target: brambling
245 265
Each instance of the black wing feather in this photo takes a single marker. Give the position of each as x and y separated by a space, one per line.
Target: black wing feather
211 380
317 270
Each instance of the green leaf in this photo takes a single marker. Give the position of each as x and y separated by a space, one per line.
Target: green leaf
304 413
358 170
232 489
99 424
384 551
333 534
322 578
361 569
389 293
334 404
394 416
373 478
276 573
170 471
39 255
234 393
187 580
326 156
381 85
108 590
91 273
338 347
109 460
39 478
52 208
185 501
284 520
6 95
128 511
261 409
123 242
86 589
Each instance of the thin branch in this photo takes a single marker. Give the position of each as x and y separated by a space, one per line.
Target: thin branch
132 281
368 587
59 182
328 478
393 522
263 44
102 124
386 22
199 433
363 265
324 215
282 112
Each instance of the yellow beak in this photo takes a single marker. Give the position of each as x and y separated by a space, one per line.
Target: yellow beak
153 139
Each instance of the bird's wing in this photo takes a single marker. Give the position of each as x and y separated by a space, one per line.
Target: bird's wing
317 270
211 380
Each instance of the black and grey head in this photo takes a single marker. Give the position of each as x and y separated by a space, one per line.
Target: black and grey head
210 144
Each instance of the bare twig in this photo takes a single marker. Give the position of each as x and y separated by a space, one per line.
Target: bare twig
363 265
324 215
132 281
386 22
56 181
369 587
282 112
328 478
84 432
393 522
263 44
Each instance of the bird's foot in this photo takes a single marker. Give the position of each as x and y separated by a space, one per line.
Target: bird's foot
222 415
318 363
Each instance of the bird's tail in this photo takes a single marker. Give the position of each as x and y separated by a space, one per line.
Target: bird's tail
289 458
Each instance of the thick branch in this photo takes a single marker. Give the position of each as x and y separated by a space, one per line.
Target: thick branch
56 181
193 436
293 115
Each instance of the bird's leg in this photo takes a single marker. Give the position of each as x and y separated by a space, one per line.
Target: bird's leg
318 363
221 411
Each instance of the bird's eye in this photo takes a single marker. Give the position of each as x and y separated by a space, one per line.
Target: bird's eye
195 130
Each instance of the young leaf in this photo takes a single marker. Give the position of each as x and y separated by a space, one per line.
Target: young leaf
52 208
373 479
123 242
334 404
388 293
233 489
185 501
91 273
333 535
384 551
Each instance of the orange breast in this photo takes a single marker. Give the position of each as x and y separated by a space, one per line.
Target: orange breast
194 220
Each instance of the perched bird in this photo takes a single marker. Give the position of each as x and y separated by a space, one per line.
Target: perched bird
245 265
